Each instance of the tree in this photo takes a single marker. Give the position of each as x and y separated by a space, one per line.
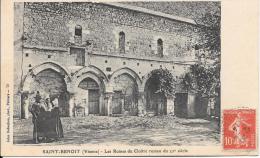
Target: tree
166 81
210 33
203 79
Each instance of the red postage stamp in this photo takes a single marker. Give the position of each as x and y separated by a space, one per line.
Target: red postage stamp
239 129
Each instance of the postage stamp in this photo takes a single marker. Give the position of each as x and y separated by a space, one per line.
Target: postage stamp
239 129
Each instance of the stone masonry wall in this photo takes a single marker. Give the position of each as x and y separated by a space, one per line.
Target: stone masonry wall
107 64
18 37
48 31
53 24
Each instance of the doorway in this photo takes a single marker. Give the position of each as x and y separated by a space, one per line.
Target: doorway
117 103
90 92
93 101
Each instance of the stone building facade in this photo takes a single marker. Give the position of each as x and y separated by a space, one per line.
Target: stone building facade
97 58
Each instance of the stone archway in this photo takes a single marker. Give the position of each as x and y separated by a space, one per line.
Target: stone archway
129 72
88 87
50 83
125 83
90 95
155 102
125 99
63 71
50 80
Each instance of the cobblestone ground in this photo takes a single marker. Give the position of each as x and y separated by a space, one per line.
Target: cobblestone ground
130 130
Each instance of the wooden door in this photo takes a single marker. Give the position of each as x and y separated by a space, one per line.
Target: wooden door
117 103
93 101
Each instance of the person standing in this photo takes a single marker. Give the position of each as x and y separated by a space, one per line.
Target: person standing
36 109
38 97
48 103
56 113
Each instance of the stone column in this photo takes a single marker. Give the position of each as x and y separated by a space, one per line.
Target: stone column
101 104
25 105
141 104
72 104
170 105
191 105
109 96
86 101
123 104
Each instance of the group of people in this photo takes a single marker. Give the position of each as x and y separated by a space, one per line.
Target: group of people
46 119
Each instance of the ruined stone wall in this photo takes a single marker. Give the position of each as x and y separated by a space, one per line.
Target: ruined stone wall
53 24
107 64
141 67
18 53
34 57
47 30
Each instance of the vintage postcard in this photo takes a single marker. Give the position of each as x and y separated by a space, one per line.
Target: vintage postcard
129 78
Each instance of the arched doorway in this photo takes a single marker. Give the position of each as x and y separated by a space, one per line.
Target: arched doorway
91 95
125 99
51 83
89 86
156 102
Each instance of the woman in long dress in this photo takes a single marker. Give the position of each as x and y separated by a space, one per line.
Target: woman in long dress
56 113
50 122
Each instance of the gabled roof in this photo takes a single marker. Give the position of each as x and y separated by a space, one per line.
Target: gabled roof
151 12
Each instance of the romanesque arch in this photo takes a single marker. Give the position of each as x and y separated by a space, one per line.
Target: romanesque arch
91 70
89 74
155 102
47 65
125 83
128 71
50 80
88 86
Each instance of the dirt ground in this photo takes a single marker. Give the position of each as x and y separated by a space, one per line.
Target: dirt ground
129 130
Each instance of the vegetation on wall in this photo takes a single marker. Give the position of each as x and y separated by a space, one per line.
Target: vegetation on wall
166 81
211 33
203 79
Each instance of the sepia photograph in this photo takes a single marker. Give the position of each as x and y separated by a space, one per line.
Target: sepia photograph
133 73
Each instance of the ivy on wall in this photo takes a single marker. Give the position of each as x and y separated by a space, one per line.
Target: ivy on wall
166 81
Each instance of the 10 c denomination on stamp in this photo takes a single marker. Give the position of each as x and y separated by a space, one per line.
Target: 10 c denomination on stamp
239 129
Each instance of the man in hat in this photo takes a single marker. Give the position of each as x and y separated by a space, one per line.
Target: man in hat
36 109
